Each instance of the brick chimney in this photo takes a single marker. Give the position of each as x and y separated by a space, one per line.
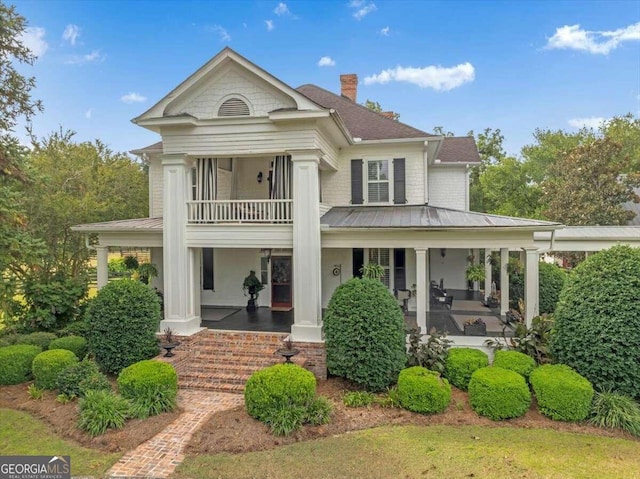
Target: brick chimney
389 114
349 86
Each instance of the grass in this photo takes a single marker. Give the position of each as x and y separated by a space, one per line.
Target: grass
431 452
22 434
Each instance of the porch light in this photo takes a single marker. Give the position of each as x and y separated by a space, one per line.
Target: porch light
443 252
259 177
266 253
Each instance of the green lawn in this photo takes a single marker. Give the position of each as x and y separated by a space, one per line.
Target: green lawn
21 434
432 452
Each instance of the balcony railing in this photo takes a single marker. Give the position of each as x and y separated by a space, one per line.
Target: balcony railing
240 211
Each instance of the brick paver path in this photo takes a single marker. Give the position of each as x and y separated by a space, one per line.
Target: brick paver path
160 455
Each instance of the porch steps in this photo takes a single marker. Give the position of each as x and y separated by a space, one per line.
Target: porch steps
223 360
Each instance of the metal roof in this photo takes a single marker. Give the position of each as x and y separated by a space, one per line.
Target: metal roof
422 216
590 233
142 225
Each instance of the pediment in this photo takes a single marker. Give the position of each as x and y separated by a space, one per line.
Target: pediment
229 81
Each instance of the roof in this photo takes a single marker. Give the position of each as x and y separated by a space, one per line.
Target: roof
459 149
422 216
590 233
134 225
361 122
155 148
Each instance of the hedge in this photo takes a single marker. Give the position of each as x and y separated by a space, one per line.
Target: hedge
514 361
461 364
152 387
40 339
365 336
77 379
15 363
551 281
76 344
424 391
47 365
499 393
562 394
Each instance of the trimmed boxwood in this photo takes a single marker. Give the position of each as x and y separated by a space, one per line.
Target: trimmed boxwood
123 320
424 391
597 321
515 361
48 364
76 344
15 363
77 379
278 387
499 393
40 339
365 335
152 387
461 364
562 394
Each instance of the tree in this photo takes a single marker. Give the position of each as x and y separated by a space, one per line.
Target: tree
588 186
439 130
375 106
490 149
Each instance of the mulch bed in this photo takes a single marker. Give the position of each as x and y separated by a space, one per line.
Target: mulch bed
236 432
63 419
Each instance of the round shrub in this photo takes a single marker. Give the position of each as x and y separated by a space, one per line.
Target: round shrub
77 379
514 361
424 391
365 334
40 339
76 328
551 280
461 364
123 320
562 394
499 393
278 387
597 321
15 363
102 410
76 344
48 364
152 387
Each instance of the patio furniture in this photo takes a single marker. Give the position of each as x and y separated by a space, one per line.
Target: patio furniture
439 297
402 296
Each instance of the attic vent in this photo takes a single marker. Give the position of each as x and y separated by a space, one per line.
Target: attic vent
234 107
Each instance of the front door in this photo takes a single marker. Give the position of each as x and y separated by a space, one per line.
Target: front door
281 284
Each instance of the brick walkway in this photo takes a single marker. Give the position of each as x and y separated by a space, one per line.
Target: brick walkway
160 455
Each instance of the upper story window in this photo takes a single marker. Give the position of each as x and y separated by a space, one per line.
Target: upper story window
234 107
378 183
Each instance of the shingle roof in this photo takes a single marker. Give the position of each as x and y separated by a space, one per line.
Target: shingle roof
360 121
422 216
459 149
155 148
138 224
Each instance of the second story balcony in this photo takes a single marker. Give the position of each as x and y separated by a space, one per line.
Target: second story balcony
240 211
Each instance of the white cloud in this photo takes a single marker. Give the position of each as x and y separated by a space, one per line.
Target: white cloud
88 113
93 57
594 122
71 33
133 97
221 32
362 8
33 39
270 25
326 62
282 9
572 37
385 31
436 77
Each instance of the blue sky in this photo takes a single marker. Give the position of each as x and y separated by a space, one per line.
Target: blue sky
464 65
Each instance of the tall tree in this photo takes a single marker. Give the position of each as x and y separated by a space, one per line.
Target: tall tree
491 151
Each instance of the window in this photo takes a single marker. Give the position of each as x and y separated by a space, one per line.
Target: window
378 181
207 269
381 257
264 270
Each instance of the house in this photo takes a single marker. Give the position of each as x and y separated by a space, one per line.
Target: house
303 186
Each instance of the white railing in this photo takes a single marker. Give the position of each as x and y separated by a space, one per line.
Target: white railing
240 211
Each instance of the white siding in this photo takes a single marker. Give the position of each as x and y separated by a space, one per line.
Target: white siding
332 258
450 268
448 187
246 174
155 187
336 185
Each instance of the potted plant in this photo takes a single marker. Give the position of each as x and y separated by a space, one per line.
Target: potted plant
475 272
475 327
288 351
253 286
169 342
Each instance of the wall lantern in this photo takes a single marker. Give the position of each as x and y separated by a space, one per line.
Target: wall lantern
259 177
443 252
266 253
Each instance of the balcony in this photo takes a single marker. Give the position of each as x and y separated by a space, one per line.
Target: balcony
240 211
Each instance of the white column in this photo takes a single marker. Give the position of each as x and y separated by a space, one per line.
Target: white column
307 306
422 289
531 308
476 260
103 265
179 313
504 281
487 274
428 280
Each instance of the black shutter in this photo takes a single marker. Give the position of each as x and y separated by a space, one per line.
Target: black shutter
358 262
399 190
399 275
356 182
207 269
